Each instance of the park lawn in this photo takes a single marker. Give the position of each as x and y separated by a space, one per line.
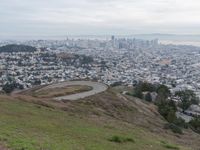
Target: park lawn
27 126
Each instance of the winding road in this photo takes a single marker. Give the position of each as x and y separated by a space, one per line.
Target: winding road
96 88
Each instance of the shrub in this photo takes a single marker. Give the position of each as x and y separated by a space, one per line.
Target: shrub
171 116
138 93
129 94
195 124
181 123
148 97
8 88
169 146
187 98
129 140
174 128
118 139
167 109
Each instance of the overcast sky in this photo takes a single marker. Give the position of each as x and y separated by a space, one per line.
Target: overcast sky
91 17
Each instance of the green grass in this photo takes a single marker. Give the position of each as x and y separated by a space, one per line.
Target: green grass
119 139
169 146
27 126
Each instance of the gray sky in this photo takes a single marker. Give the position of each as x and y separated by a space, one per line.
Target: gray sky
90 17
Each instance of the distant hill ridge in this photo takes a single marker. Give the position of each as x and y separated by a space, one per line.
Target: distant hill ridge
17 48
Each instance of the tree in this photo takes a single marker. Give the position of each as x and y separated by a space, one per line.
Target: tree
168 110
145 86
86 59
37 82
164 91
8 87
17 48
138 91
173 83
195 124
148 97
171 116
187 98
21 87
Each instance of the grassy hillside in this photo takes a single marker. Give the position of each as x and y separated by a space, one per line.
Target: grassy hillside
106 121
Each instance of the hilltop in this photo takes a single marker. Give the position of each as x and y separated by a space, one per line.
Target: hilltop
106 121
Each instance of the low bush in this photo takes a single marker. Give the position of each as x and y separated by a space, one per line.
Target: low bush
174 128
169 146
181 123
118 139
195 125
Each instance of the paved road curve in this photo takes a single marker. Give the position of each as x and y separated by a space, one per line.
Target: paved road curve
96 88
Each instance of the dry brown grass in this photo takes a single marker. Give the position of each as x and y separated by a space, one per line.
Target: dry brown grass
56 92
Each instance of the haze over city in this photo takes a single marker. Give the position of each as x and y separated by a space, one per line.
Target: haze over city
93 17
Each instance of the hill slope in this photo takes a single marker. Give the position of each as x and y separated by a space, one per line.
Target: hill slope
107 121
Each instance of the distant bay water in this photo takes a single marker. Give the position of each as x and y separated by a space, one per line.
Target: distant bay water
173 39
163 38
180 42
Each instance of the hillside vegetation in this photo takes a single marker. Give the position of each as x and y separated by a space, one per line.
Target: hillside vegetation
106 121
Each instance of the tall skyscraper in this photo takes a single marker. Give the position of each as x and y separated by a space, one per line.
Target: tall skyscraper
113 40
112 37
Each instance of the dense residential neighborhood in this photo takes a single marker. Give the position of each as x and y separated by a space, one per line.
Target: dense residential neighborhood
117 60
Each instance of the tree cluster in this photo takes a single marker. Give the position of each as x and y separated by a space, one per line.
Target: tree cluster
168 108
187 98
9 87
195 124
17 48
